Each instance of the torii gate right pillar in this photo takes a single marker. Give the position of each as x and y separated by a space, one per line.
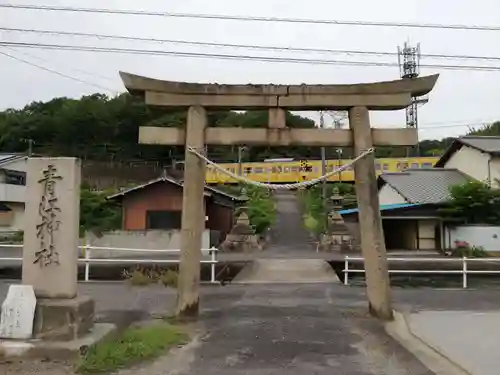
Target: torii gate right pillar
372 234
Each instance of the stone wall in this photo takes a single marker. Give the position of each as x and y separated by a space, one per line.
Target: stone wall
151 239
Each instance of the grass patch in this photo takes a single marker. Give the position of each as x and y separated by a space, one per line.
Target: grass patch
133 345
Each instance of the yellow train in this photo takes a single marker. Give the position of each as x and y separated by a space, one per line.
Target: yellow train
288 170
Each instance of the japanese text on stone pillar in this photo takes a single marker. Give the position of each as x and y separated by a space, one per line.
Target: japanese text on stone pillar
48 211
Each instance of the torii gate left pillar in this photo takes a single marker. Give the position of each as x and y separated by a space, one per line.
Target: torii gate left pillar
358 99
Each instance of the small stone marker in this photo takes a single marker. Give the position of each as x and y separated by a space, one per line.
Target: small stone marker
18 313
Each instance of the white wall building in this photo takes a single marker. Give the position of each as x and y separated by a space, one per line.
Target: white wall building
477 157
12 192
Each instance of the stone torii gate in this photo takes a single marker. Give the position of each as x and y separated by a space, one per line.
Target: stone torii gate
357 99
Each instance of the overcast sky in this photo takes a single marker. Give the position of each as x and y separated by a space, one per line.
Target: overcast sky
460 97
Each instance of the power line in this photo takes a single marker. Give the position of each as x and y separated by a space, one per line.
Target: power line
48 61
246 46
249 18
462 122
236 57
56 72
455 126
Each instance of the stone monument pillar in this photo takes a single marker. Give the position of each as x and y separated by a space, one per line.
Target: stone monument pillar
50 255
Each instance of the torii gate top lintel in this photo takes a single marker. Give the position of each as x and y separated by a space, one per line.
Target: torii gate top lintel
390 95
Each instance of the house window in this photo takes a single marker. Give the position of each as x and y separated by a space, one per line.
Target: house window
163 219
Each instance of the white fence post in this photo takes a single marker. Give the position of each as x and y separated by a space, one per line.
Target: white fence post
464 272
212 266
346 270
87 260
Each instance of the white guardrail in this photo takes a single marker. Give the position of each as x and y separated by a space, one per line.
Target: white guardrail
464 271
88 260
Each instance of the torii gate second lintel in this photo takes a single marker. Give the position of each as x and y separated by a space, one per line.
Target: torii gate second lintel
357 99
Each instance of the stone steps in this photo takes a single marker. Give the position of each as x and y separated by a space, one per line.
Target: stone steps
293 271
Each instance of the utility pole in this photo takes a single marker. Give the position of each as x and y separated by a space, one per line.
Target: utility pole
323 156
339 158
240 156
30 143
337 124
324 197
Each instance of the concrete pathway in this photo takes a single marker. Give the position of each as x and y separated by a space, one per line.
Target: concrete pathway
289 257
469 339
293 330
289 236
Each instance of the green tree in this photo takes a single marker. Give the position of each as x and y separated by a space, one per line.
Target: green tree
492 129
473 202
260 206
97 214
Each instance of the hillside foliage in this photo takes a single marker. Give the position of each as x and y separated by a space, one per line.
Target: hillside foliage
98 127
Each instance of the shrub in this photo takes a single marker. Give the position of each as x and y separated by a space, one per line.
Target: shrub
168 278
314 207
260 206
473 202
137 277
146 276
463 249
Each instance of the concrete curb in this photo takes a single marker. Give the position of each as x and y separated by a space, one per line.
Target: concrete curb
430 356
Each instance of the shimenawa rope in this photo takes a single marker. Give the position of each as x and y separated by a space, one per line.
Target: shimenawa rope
280 186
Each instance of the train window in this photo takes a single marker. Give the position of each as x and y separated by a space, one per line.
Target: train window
257 170
248 170
414 165
385 166
426 165
402 165
276 169
377 166
286 169
295 169
315 169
